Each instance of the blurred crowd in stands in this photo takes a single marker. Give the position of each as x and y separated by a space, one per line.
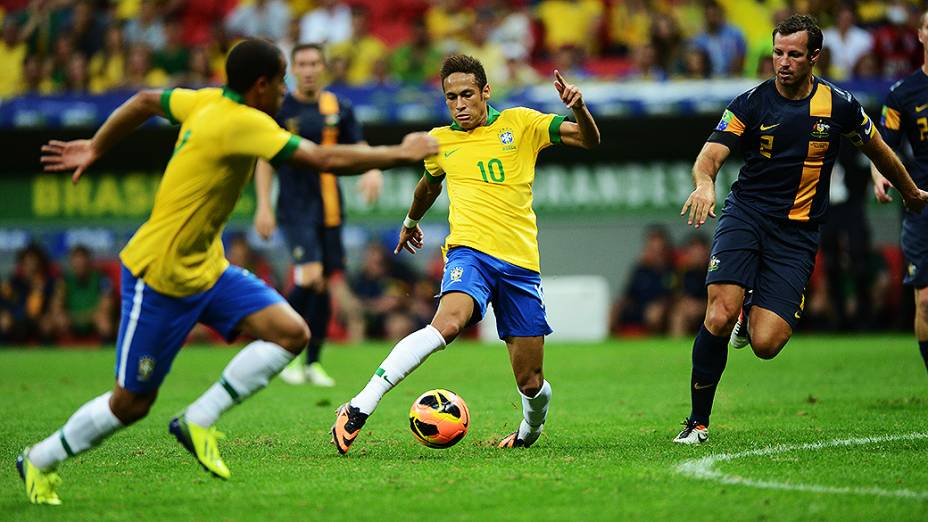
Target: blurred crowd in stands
92 46
76 300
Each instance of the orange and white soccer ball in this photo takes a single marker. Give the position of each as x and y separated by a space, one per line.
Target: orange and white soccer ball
439 418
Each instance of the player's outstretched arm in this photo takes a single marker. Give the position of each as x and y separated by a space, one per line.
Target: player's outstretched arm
411 237
265 222
351 160
78 155
701 203
888 164
584 133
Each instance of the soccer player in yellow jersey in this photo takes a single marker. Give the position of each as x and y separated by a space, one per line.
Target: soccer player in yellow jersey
491 255
174 271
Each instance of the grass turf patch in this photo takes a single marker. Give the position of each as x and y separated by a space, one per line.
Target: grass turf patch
605 454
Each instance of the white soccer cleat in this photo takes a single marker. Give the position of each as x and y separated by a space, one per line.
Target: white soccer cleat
739 334
316 375
293 373
692 433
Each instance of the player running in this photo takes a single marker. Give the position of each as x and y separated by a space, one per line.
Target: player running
174 272
788 129
491 254
905 113
309 206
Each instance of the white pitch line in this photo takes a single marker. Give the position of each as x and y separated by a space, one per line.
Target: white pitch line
704 468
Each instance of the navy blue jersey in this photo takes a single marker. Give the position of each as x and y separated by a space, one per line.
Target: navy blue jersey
906 113
302 197
790 146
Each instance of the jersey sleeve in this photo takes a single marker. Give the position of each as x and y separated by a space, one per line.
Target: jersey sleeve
257 134
179 104
891 120
859 126
735 120
542 129
433 171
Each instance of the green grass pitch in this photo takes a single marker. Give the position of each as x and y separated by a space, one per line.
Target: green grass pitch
605 455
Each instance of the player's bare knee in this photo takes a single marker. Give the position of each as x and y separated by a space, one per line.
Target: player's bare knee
129 407
295 336
450 327
721 317
767 346
530 382
921 302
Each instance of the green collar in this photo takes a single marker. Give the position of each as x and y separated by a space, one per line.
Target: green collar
492 114
232 95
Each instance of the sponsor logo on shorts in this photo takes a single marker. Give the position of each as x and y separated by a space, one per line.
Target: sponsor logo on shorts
713 264
146 368
456 274
913 270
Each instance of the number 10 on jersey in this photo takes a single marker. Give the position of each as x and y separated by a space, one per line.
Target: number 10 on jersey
492 171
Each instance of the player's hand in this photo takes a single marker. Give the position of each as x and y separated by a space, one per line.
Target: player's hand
701 205
411 239
265 222
881 188
417 146
570 94
916 202
60 156
370 184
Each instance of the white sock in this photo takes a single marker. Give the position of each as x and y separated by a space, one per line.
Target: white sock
406 356
86 428
534 413
249 371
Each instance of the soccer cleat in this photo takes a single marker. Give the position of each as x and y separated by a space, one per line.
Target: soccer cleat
294 373
692 433
201 443
739 335
513 441
317 376
348 423
40 485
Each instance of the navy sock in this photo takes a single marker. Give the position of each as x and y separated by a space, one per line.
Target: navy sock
710 353
299 300
923 346
318 319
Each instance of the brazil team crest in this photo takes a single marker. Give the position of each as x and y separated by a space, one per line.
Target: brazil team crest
456 274
146 368
507 138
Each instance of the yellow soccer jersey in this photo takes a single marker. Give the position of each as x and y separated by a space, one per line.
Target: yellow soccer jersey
490 172
178 251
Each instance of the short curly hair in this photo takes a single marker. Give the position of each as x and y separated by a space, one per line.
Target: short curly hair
798 22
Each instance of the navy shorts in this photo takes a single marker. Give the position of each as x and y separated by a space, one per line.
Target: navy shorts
772 257
915 248
516 294
154 326
310 242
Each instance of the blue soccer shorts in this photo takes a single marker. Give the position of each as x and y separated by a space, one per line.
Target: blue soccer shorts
154 326
516 294
772 257
915 248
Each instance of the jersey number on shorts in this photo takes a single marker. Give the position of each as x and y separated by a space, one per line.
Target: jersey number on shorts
495 168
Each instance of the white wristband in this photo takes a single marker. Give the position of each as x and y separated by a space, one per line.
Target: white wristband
410 222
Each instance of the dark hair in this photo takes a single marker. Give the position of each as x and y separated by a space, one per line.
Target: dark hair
304 46
80 250
798 22
252 59
461 63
